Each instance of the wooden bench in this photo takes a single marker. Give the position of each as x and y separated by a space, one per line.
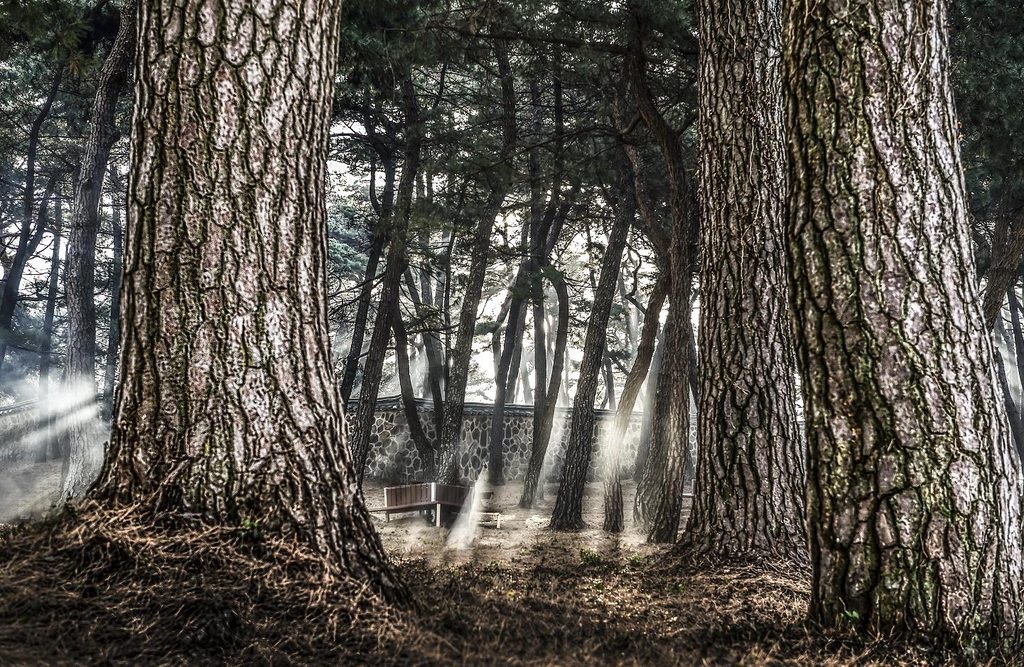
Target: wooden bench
419 497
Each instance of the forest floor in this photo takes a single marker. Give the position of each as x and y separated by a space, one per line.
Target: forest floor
97 587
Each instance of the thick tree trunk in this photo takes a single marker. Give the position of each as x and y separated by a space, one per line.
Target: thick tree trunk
748 494
84 430
914 498
613 508
227 403
568 511
462 353
114 336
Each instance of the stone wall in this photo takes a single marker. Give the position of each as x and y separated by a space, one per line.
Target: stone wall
19 424
393 457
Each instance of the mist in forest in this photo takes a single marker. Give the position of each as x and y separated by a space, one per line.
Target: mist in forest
28 484
467 526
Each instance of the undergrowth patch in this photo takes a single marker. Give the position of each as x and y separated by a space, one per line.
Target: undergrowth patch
101 587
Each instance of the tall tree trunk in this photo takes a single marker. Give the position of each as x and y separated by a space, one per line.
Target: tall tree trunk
568 511
544 420
748 494
1018 338
355 349
84 431
659 498
227 403
462 353
914 498
27 238
397 260
613 508
428 313
384 208
46 346
114 336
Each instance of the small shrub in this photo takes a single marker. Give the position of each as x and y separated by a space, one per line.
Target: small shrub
589 557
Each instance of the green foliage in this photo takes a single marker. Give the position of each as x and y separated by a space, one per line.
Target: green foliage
590 557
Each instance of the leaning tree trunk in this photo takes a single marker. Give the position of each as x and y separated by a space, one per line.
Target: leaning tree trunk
659 495
397 260
84 430
748 493
227 404
568 511
27 239
613 507
914 499
462 353
533 486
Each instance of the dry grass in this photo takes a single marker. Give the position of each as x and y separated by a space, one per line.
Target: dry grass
98 587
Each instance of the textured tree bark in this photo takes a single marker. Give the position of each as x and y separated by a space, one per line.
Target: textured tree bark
613 508
27 238
914 498
84 430
568 510
397 260
114 336
462 353
227 403
748 493
659 497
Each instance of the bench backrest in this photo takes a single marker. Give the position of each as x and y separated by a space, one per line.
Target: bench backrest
410 494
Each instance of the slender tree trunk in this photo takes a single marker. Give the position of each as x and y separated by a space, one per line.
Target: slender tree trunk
84 430
533 486
659 497
914 498
1018 338
46 346
114 337
412 415
397 260
431 344
568 511
227 403
455 389
643 448
355 349
27 238
748 494
613 508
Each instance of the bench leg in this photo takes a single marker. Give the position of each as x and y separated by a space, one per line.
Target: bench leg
437 516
